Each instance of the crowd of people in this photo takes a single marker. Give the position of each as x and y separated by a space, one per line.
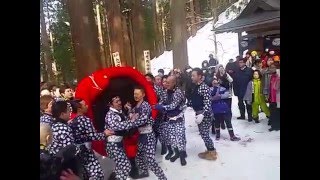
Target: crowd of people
66 132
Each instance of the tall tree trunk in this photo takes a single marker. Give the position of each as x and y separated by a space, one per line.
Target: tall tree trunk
105 35
179 33
138 34
126 37
133 49
155 28
115 28
101 43
46 46
193 19
84 33
163 29
43 68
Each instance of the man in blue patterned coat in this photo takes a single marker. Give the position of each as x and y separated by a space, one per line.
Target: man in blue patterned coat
201 104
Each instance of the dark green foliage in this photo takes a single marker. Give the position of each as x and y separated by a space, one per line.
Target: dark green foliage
62 44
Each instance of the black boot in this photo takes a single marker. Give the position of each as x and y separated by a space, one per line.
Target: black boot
256 120
217 134
183 156
112 176
168 156
176 155
241 117
163 149
134 172
143 175
213 130
232 136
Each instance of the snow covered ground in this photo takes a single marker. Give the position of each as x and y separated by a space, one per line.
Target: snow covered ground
255 157
258 159
202 44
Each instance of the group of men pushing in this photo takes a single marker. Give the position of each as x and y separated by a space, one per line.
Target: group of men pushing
168 128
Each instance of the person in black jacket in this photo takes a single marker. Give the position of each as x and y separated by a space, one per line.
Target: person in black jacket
241 79
212 60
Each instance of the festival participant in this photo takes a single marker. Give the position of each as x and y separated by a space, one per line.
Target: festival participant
66 92
161 125
158 89
62 133
173 107
221 109
147 141
254 96
45 136
45 106
44 92
200 101
158 80
116 121
160 95
84 133
54 166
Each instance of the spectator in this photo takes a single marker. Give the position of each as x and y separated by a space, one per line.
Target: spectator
242 77
212 61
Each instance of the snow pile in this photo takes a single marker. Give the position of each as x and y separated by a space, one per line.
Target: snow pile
255 157
202 44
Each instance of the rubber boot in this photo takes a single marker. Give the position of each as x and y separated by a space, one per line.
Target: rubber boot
168 156
134 172
232 136
163 149
176 155
217 134
183 156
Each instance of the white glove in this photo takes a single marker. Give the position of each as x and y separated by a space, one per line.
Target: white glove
199 118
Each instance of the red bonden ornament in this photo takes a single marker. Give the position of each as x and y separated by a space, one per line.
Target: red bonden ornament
92 86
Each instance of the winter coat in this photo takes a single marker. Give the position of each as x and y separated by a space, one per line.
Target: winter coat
277 87
254 92
218 103
241 80
232 66
266 81
225 80
273 90
213 62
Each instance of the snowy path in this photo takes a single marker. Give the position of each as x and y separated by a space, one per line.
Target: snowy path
256 160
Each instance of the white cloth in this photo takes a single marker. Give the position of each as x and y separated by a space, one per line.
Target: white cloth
199 118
